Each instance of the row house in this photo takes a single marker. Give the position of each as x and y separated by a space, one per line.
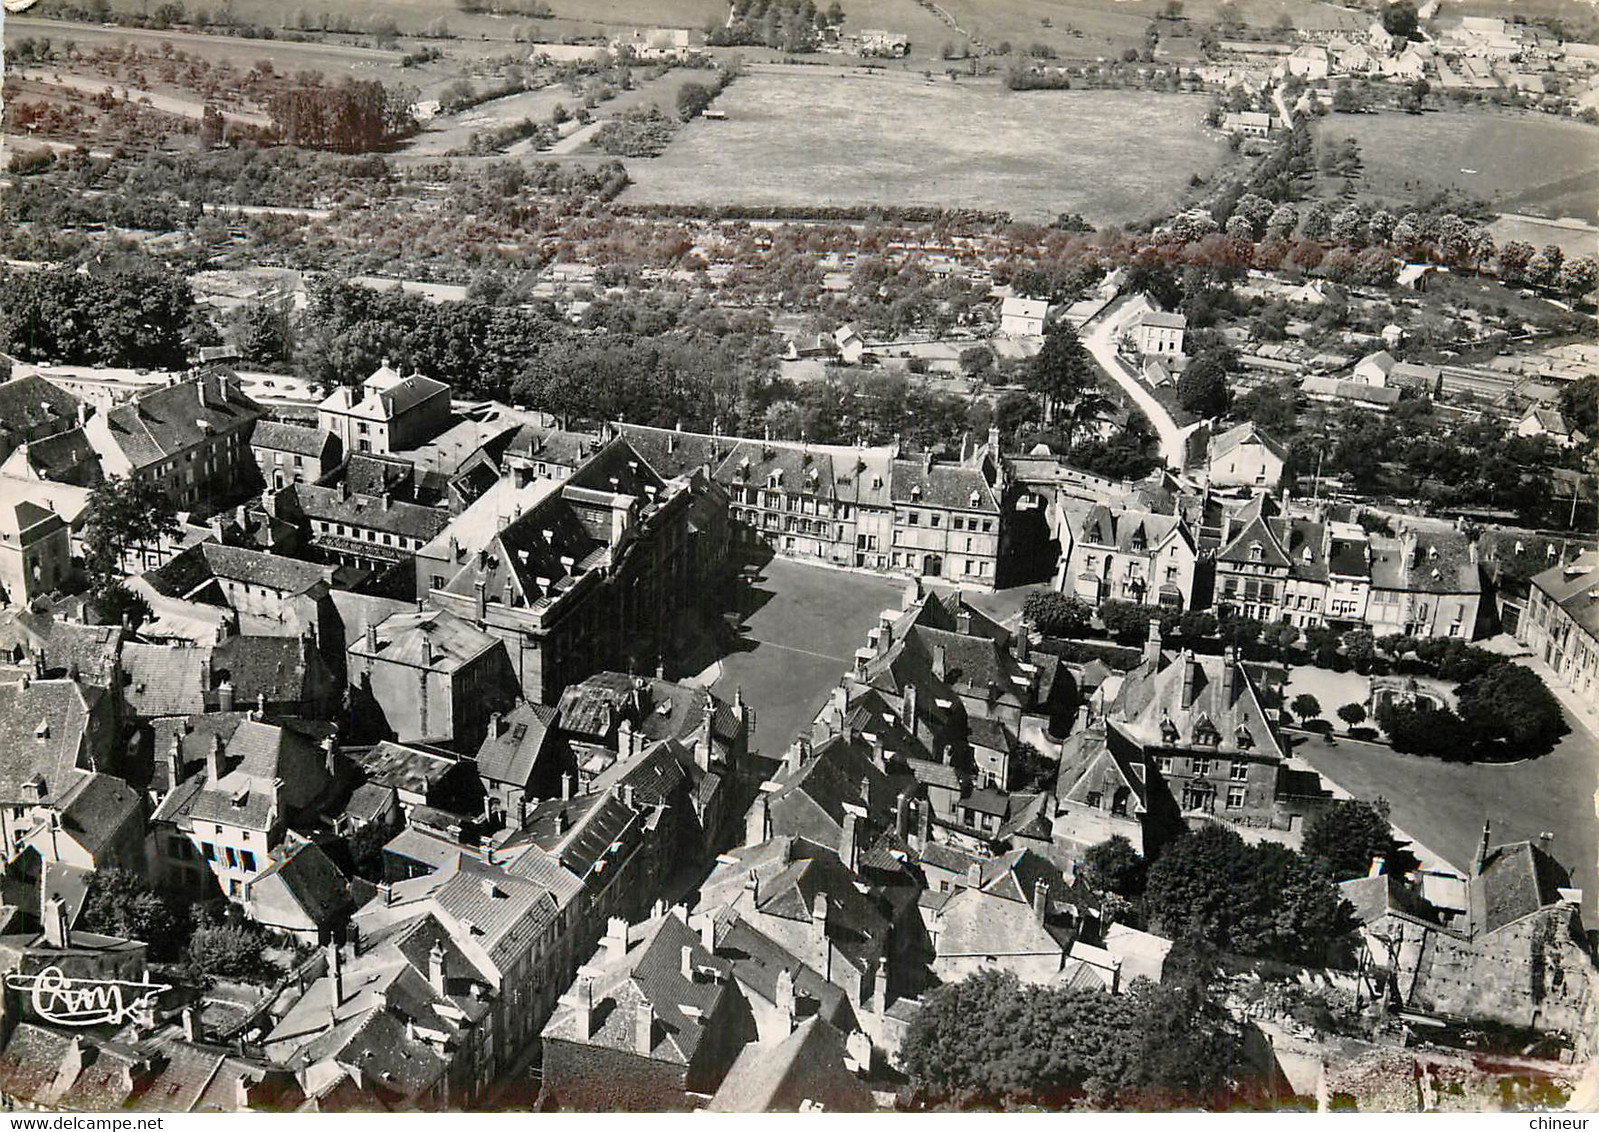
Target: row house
291 453
231 802
1121 554
1561 623
390 412
588 578
191 438
345 527
261 588
1425 582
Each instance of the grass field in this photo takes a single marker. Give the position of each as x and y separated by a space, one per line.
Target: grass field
1527 163
812 136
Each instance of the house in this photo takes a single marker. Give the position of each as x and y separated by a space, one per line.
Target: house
35 548
1382 41
523 757
267 590
300 894
236 806
433 676
1123 554
1254 123
1425 582
851 346
66 458
1378 398
378 533
1516 954
1245 456
1022 317
390 412
1159 332
97 823
53 733
807 1071
652 1020
190 439
1539 421
1309 61
947 518
290 453
1561 623
1381 370
1100 788
419 776
32 409
1004 915
611 547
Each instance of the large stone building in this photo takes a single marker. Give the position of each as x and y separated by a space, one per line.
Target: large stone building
1122 554
191 438
390 412
1561 623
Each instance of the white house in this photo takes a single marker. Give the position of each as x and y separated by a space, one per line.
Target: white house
1160 332
1023 318
850 344
1309 61
1252 122
1244 457
1538 421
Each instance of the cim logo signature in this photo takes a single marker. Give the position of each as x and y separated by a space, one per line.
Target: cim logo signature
85 1002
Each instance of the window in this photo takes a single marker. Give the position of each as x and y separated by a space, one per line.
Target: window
988 525
957 522
247 859
915 518
1235 797
1163 763
209 850
438 581
1239 771
1094 798
1202 768
233 860
932 520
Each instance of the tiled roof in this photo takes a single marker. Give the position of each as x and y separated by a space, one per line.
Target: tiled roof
283 669
30 409
955 486
1516 880
330 504
504 913
1428 560
312 880
1246 433
1150 707
432 639
1573 588
807 1069
163 680
42 729
96 810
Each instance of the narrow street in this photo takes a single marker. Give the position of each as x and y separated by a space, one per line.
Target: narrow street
1101 342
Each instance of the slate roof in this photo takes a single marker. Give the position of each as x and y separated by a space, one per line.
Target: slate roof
1247 433
67 456
163 680
1150 708
1574 588
301 440
1438 561
330 504
402 767
756 960
805 1068
311 880
190 570
42 728
283 669
1130 532
512 755
30 409
955 486
96 809
649 973
433 639
1516 880
162 422
672 452
505 914
62 644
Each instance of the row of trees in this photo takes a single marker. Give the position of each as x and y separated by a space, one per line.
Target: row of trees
351 116
130 312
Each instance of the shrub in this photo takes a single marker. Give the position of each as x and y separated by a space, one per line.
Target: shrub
229 950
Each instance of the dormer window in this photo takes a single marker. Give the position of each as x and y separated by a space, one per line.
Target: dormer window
1255 552
1244 737
1168 730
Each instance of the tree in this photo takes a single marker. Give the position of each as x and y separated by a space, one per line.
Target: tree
228 949
1305 706
1057 615
1114 865
1361 648
977 361
1062 371
1149 277
1511 705
1347 834
1126 621
1202 389
131 313
1579 404
1280 636
124 514
120 903
692 99
1579 277
1514 257
1352 714
1399 18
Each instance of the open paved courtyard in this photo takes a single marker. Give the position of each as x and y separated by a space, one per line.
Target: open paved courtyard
801 627
1443 805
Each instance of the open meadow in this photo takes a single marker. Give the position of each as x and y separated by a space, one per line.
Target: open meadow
1526 163
835 137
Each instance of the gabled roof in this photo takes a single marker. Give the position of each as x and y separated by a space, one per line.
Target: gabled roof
43 724
31 408
956 486
1247 433
512 754
162 422
1575 589
96 809
1222 703
806 1069
311 880
1257 532
300 440
1515 881
433 639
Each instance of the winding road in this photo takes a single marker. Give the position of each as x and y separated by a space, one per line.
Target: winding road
1103 331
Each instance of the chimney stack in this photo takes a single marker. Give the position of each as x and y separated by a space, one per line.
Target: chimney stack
214 764
175 763
436 967
1152 644
902 816
191 1025
567 786
644 1029
372 639
686 962
758 826
1041 901
224 695
1022 642
57 929
1190 670
940 663
584 1010
784 1000
924 824
819 910
848 852
974 875
798 753
335 976
1376 867
1481 859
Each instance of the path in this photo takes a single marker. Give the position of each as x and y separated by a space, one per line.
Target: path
1282 107
166 103
1101 342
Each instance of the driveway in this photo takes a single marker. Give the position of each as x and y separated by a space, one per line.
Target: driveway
1101 342
801 627
1443 805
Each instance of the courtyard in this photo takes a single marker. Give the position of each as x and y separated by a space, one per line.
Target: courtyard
798 634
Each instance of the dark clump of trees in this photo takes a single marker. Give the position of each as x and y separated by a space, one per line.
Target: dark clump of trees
352 116
991 1042
133 314
1057 615
1210 887
1348 834
1505 712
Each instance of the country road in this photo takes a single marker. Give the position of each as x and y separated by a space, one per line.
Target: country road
1101 343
